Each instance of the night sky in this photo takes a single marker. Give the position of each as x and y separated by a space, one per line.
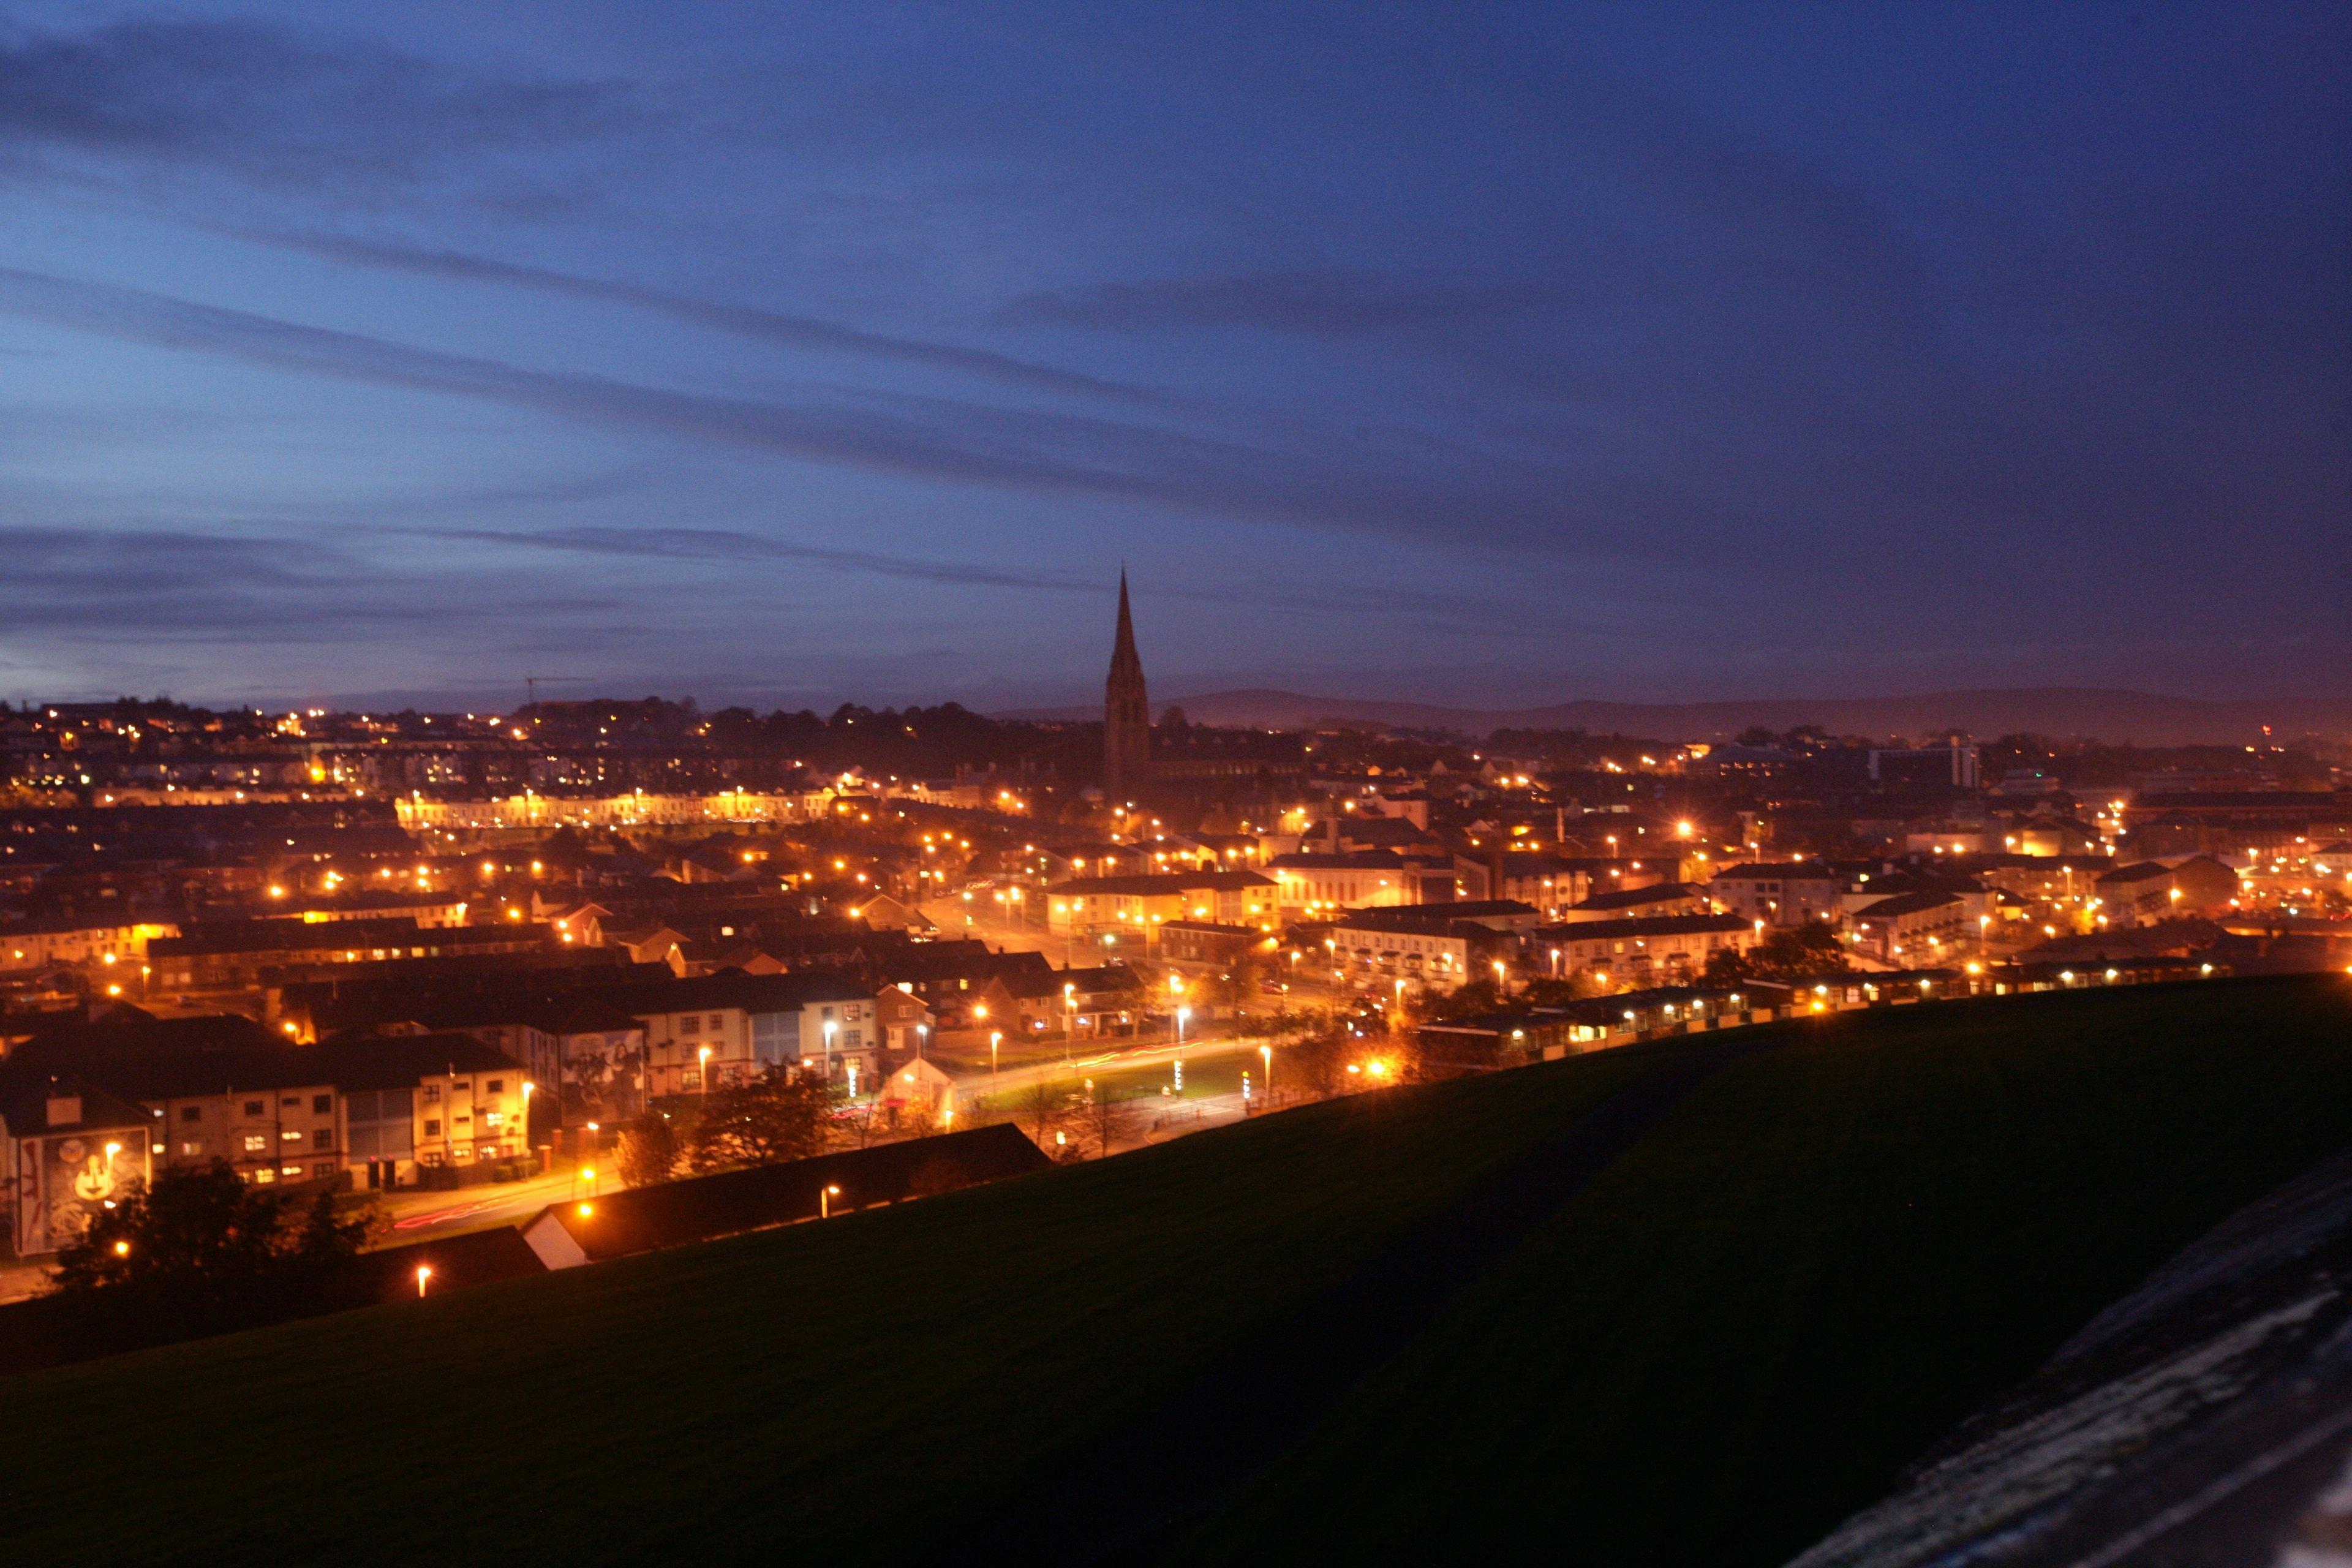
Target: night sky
795 355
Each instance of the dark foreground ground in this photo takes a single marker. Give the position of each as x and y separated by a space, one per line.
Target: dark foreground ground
1678 1305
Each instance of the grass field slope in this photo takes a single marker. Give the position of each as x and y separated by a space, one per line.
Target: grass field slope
1805 1268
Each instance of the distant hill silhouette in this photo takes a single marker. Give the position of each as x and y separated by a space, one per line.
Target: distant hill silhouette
2069 711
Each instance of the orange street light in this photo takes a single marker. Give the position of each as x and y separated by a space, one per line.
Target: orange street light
423 1272
824 1202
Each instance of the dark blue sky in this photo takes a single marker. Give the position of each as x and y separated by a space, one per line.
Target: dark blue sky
790 354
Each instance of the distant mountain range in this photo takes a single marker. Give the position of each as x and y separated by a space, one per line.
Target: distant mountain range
2067 711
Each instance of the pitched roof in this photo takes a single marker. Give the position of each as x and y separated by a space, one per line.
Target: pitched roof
1906 904
670 1214
1354 860
476 1257
25 1106
730 989
1436 919
330 936
1641 897
396 1061
1644 926
956 960
145 1066
1166 884
1782 870
1049 982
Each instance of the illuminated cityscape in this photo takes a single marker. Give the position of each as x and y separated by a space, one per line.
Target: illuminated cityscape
1025 783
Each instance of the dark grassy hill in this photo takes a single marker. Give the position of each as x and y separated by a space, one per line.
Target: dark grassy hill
1829 1257
859 1390
1728 1341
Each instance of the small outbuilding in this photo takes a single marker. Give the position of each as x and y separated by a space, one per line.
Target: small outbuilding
671 1213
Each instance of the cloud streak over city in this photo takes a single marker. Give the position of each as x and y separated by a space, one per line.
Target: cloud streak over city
1627 359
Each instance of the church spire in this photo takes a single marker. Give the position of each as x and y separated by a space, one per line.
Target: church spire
1126 710
1123 656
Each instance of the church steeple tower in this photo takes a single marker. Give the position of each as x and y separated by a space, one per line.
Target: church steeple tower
1127 712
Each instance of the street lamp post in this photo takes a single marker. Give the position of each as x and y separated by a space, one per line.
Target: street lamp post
996 1038
825 1201
702 1068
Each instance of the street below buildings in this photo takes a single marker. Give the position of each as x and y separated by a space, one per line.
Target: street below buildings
1143 1076
982 917
415 1215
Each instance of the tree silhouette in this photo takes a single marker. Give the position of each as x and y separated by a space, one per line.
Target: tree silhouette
204 1235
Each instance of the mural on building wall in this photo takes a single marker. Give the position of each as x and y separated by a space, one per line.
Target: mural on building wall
66 1183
